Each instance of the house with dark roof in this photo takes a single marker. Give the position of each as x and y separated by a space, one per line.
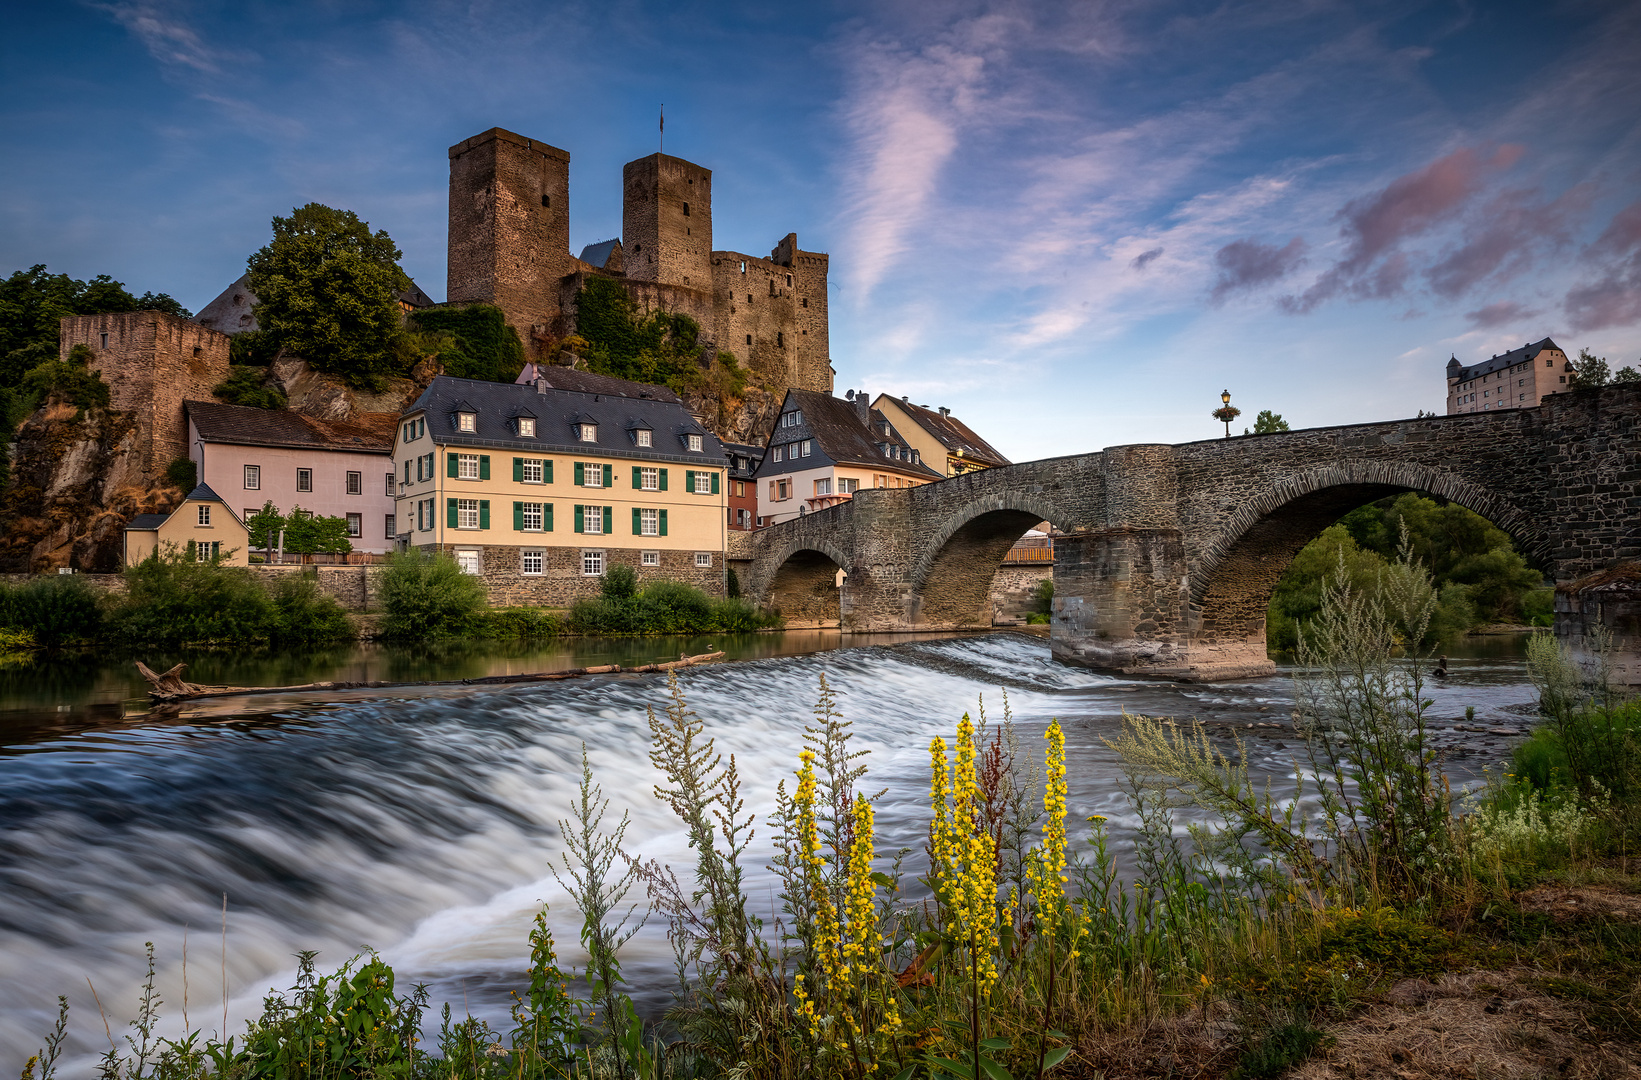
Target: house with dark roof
203 527
541 485
744 459
944 442
332 468
1518 379
231 312
824 449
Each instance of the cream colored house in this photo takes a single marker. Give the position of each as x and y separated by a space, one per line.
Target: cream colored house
943 442
540 488
204 527
1518 379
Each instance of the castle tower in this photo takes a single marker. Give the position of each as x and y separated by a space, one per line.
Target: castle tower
666 221
510 229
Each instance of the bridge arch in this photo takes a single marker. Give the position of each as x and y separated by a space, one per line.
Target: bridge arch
952 578
1237 571
802 584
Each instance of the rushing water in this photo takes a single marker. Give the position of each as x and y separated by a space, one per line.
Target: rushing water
423 822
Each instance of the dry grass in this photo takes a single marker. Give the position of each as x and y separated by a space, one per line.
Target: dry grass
1585 901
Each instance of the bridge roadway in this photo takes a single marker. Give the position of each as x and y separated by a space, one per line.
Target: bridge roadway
1171 552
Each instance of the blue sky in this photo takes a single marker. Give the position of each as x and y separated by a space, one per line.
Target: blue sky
1073 224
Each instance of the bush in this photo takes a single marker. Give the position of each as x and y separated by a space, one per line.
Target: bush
70 380
249 386
303 614
55 610
606 616
620 582
526 622
182 474
426 595
171 599
665 607
735 616
480 344
671 607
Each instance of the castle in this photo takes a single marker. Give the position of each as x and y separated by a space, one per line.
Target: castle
510 246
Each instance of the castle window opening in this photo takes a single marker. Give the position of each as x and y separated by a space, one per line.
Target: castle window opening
749 298
686 209
749 341
547 200
780 339
804 302
105 341
789 281
743 270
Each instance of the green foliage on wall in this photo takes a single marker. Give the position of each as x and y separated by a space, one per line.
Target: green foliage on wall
662 347
182 474
32 303
479 343
249 386
252 348
327 290
70 380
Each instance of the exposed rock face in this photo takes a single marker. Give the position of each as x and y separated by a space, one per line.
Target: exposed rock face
325 397
76 480
748 418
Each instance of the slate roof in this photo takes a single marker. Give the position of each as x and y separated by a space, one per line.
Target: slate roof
839 433
953 434
240 425
617 416
147 522
230 313
203 493
563 378
1501 361
753 455
598 254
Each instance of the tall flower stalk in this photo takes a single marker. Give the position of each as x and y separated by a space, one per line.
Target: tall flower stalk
1047 877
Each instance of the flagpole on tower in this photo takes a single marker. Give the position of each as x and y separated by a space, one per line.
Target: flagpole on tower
663 141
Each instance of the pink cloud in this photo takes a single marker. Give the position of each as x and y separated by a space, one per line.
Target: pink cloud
1498 314
1612 297
1507 234
1248 264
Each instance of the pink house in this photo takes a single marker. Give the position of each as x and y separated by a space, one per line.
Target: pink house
336 469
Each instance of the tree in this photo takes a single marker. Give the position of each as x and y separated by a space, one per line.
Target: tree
328 289
33 301
1267 422
264 526
1626 374
307 533
1590 371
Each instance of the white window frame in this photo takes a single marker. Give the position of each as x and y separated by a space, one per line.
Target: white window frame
703 483
703 560
776 454
649 479
253 478
356 526
470 560
592 520
304 479
805 447
642 437
529 510
527 427
203 515
467 466
589 433
649 522
649 558
533 465
468 422
391 485
823 486
592 562
464 507
693 442
356 483
532 555
592 474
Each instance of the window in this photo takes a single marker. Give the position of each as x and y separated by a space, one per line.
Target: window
702 483
740 488
592 474
649 479
527 427
429 460
823 487
428 506
694 443
304 479
390 526
649 523
468 560
804 302
204 552
531 561
686 209
105 341
592 563
805 446
592 520
356 525
783 489
650 558
847 486
775 454
467 513
389 492
792 419
749 336
467 466
250 513
780 340
204 515
356 483
589 432
530 470
642 436
466 421
530 517
703 558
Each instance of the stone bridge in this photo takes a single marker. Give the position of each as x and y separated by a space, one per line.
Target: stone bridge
1171 552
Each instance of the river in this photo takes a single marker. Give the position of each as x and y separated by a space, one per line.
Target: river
422 822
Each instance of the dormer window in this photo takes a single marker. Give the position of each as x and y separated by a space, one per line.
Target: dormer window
588 432
466 421
642 437
527 427
693 442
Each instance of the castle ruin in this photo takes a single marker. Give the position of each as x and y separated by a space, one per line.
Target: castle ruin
510 246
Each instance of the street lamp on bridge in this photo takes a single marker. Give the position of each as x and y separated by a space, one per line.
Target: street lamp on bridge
1226 412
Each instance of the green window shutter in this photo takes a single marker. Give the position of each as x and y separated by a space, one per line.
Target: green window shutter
609 518
484 513
689 481
216 549
580 476
637 478
518 470
547 471
663 523
450 463
547 517
715 483
637 524
452 514
580 516
518 515
663 479
609 476
484 466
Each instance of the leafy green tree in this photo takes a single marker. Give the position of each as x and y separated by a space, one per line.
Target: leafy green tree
476 341
1590 370
307 533
264 526
327 290
1626 374
33 301
426 595
1267 422
249 386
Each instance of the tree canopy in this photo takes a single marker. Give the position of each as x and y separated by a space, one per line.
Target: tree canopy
662 347
1267 422
328 290
33 301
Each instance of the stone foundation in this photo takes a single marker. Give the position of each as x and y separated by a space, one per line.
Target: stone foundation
1014 592
562 582
1610 599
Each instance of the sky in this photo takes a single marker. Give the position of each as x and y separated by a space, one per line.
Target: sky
1072 224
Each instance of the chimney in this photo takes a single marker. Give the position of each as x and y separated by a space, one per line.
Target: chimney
863 408
945 411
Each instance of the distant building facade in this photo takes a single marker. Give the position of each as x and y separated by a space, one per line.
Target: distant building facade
332 468
824 449
943 442
509 246
744 460
540 489
203 528
1518 379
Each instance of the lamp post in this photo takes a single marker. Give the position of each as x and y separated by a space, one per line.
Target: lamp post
1226 412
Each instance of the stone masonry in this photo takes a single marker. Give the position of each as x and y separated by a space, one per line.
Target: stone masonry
1171 552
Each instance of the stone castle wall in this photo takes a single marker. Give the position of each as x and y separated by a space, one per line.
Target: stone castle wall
562 583
666 221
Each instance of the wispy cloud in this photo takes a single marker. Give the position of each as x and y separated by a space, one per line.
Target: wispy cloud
1612 295
1248 264
167 36
1502 313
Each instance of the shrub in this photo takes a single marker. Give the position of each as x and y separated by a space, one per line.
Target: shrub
171 599
182 474
249 386
425 594
606 616
70 380
477 342
53 611
525 622
671 607
734 616
303 614
620 582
